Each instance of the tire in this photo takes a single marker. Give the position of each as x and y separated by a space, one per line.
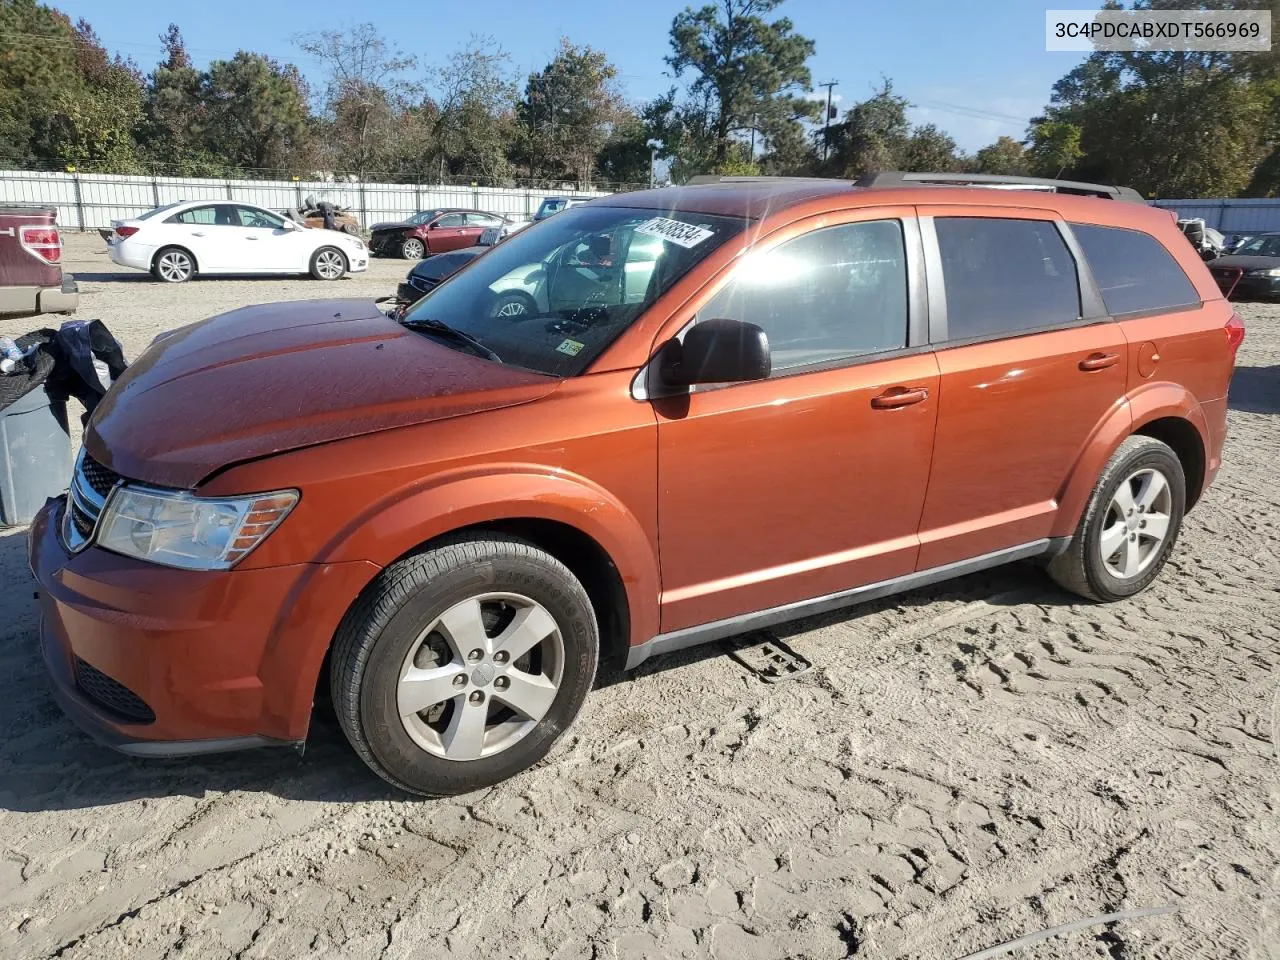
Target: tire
395 629
173 265
513 305
328 263
351 229
413 249
1082 567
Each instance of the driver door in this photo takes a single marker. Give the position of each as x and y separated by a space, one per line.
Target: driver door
448 232
267 244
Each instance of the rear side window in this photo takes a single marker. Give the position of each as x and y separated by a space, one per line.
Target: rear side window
1005 277
206 216
833 294
1134 271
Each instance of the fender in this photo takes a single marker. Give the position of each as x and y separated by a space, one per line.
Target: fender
1151 401
493 493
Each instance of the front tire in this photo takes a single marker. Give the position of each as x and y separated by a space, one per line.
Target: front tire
413 249
328 263
173 265
461 666
513 305
1130 524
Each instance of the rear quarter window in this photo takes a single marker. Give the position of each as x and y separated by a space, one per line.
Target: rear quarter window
1133 270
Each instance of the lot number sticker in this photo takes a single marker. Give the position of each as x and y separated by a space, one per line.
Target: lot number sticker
673 231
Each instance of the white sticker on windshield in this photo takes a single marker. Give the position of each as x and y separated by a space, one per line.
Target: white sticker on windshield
673 231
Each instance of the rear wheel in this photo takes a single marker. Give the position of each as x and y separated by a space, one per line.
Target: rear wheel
513 305
412 249
173 265
461 666
1129 526
350 228
328 263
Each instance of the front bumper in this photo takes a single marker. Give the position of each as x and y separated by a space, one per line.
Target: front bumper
192 649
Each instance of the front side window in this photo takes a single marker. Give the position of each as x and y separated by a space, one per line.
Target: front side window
552 299
253 217
1004 277
452 220
833 294
1134 271
424 216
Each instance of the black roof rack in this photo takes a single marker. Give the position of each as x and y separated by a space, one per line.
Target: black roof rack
899 179
724 178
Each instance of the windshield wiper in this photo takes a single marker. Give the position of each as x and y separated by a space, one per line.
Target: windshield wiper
450 333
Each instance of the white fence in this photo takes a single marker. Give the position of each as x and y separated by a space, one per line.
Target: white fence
87 201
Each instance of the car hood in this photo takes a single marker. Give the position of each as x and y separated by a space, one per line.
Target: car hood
277 377
1245 262
401 225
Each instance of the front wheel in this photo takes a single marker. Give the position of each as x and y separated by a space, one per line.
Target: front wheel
1130 524
328 263
412 249
513 305
461 666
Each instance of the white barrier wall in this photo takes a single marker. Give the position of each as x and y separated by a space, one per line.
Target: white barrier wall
87 201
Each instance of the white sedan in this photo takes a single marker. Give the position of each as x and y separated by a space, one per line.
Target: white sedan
209 237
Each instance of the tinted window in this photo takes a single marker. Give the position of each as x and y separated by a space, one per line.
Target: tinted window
1005 276
202 215
1134 271
830 294
482 220
452 220
1264 246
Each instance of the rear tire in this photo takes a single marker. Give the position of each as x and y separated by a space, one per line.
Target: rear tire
412 621
328 263
1130 524
513 305
173 265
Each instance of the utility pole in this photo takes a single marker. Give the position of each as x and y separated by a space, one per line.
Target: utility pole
754 119
653 163
826 118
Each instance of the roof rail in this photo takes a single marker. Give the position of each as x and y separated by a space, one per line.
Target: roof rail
899 179
723 178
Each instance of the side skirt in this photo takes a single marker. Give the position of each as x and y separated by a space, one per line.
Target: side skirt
743 623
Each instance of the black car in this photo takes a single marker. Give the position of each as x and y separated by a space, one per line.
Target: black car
1252 270
430 273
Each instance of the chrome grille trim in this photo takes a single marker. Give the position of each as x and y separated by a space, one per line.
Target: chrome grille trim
84 500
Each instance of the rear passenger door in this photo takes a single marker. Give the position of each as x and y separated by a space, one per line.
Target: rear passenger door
1028 372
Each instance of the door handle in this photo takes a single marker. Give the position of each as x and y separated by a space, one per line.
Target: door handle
197 233
899 397
251 238
1099 361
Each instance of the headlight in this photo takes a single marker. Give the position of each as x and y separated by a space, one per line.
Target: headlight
1273 272
178 529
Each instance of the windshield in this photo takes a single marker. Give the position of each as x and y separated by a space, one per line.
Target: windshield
422 217
552 297
1261 247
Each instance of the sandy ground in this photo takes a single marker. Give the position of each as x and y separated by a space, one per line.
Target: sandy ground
964 765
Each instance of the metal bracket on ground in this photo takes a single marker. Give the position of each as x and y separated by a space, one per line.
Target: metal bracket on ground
771 660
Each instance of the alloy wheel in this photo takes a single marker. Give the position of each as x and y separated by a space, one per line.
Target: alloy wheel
174 266
481 676
329 264
1136 524
413 249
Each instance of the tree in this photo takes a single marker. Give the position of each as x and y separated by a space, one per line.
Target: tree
474 112
1006 157
365 91
37 65
872 136
929 150
255 112
1055 147
568 113
748 73
170 132
625 156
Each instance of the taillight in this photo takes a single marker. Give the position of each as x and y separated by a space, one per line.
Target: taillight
41 241
1235 333
126 231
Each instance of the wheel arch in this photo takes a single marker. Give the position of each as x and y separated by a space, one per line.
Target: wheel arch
1164 411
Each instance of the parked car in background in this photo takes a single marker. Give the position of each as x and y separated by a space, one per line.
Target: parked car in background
1252 270
311 214
431 231
31 277
1236 240
1208 242
428 274
209 237
553 205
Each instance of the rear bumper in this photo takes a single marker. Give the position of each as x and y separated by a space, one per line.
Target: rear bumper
28 301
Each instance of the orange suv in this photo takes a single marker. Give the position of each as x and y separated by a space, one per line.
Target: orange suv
728 405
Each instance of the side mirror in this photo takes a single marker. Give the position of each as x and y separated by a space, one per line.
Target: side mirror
432 226
717 351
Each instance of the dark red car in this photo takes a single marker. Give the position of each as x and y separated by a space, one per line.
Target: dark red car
31 279
431 231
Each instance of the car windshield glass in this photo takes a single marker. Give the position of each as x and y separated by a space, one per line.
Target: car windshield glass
552 297
422 217
1261 247
156 212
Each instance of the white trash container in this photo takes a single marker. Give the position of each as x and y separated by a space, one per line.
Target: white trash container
35 456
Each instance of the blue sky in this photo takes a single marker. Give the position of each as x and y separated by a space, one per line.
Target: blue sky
977 72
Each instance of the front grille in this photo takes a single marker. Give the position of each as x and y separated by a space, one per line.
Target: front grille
81 520
101 479
424 284
111 695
